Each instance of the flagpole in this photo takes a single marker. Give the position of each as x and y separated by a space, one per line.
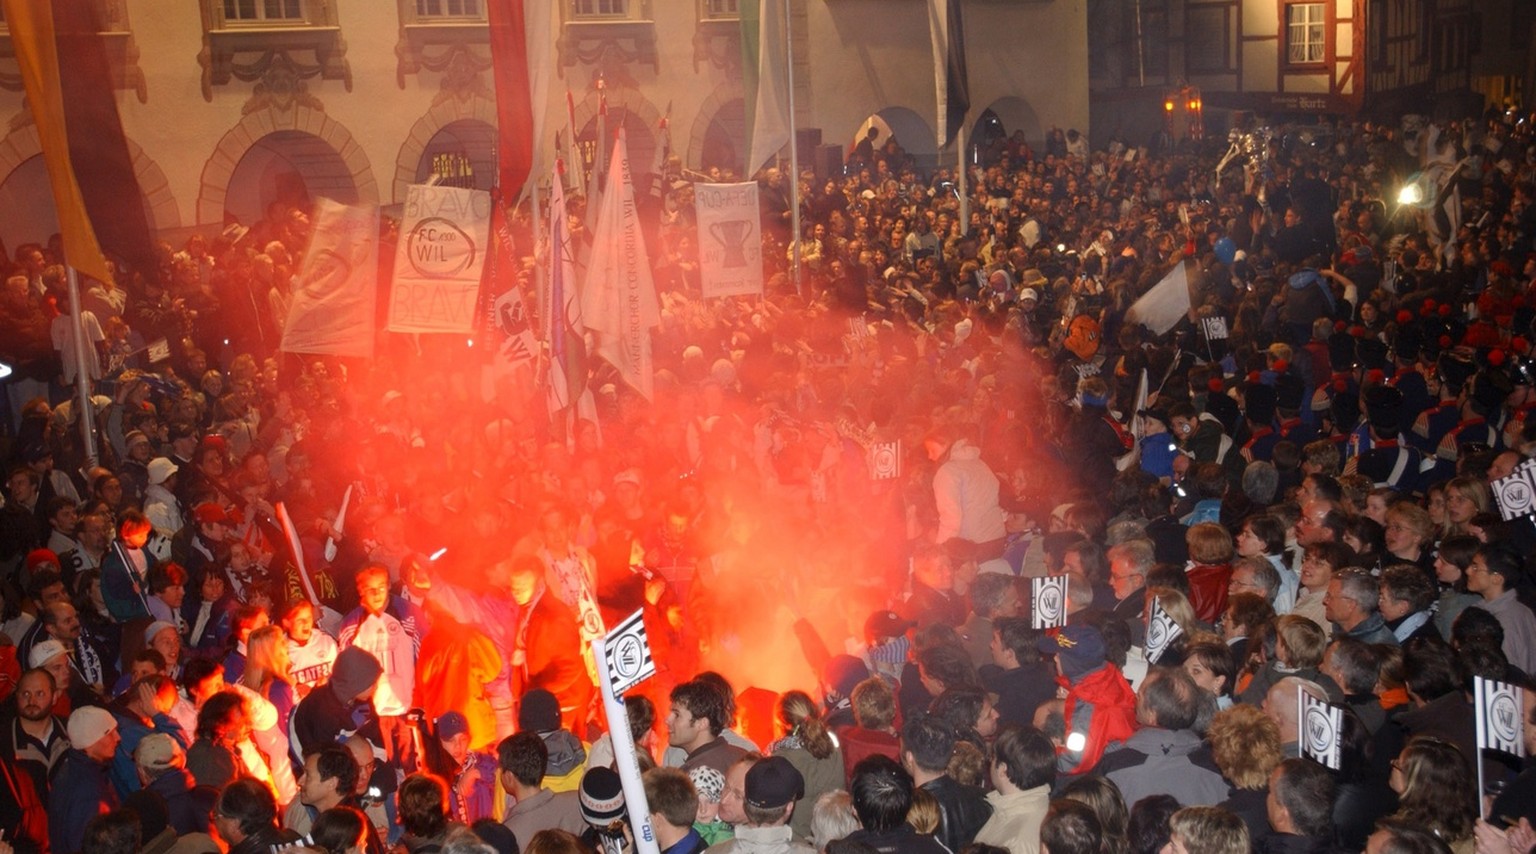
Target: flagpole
82 370
965 197
794 153
624 754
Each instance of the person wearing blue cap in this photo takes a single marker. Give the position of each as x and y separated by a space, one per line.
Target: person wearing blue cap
1100 708
471 774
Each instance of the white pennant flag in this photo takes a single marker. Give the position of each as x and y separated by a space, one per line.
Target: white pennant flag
1516 492
1500 709
618 299
1049 602
629 654
770 122
1161 631
1321 727
1161 308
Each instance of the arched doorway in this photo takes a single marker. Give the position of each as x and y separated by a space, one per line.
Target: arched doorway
639 140
725 138
27 213
1008 115
461 154
291 167
914 135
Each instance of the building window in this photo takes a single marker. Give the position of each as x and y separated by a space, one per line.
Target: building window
450 10
599 9
720 10
1306 33
263 11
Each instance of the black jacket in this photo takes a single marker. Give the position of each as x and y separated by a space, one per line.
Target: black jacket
1020 691
262 840
962 811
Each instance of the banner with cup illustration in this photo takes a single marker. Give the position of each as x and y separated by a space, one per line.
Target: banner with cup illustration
441 251
730 239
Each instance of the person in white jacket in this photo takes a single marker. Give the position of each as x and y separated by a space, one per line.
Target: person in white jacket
965 490
1023 773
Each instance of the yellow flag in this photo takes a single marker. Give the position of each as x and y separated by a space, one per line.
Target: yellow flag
37 52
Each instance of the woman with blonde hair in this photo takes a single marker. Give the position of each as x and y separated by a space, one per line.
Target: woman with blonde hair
1410 534
809 746
1436 791
1206 830
1245 745
267 670
1465 497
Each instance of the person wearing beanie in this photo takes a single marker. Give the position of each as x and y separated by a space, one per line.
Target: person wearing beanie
539 713
521 760
327 711
1100 708
160 502
81 788
601 795
709 784
161 765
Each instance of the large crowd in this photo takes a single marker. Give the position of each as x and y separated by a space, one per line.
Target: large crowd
295 601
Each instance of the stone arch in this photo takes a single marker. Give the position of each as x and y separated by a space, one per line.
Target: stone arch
259 124
1015 113
914 133
23 143
724 97
637 112
475 108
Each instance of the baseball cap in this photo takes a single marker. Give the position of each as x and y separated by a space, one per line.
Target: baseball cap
774 782
88 725
45 652
157 752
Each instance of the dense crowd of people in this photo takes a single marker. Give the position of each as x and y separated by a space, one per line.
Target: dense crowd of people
345 605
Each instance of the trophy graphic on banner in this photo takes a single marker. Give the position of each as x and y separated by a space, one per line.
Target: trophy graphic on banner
732 236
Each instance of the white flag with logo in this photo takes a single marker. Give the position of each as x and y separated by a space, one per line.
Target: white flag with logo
629 654
1321 728
618 299
1515 493
885 460
1049 602
1161 631
438 259
1500 707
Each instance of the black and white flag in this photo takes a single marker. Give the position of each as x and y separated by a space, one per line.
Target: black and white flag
1050 601
885 460
1161 631
629 654
1499 710
1321 726
1516 492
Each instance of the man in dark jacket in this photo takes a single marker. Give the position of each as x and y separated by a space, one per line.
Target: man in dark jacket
162 767
926 746
1300 808
882 796
81 789
246 817
1018 675
327 711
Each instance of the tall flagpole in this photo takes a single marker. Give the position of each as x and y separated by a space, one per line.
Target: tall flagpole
794 152
82 370
965 197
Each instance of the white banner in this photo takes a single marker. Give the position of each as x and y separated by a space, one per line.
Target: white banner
1050 601
444 237
730 239
333 299
618 299
1161 308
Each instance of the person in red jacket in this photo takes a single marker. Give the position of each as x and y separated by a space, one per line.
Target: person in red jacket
549 649
1210 569
1100 708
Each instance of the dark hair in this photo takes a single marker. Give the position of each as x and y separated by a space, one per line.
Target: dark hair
423 805
1326 487
166 575
1071 827
116 832
1269 529
671 793
196 670
1404 837
641 714
1093 559
1171 696
1439 788
961 709
525 756
1502 560
1429 668
337 829
988 592
881 792
1216 657
250 803
931 741
1358 664
1477 627
703 700
1015 634
1306 790
1027 756
43 578
216 711
1458 551
1407 583
950 665
1104 798
334 762
727 694
1148 827
495 834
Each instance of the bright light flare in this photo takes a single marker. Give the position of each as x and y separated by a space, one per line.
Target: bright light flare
1076 742
1410 194
439 553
